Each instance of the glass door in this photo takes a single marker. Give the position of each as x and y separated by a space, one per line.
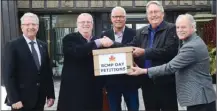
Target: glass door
61 26
136 20
57 53
52 30
140 25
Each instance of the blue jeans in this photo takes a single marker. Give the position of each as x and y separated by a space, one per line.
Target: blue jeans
131 98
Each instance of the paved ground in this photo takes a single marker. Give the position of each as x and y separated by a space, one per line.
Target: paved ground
57 85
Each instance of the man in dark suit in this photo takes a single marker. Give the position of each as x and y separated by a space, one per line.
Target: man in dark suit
191 68
80 90
27 71
118 85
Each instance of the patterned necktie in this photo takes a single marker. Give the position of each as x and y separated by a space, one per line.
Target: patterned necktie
34 54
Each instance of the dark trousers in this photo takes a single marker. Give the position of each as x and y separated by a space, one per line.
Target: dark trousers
130 96
159 97
203 107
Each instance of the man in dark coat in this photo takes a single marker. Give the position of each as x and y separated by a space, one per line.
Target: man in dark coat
27 72
80 90
159 44
121 85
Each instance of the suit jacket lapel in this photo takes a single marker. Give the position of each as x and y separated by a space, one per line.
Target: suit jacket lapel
26 47
26 50
112 35
125 34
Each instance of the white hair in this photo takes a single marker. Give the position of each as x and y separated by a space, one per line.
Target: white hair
85 14
156 3
29 14
118 8
190 19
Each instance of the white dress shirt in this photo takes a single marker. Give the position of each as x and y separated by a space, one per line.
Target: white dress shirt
35 46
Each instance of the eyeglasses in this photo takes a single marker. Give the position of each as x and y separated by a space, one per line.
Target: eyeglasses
30 24
120 17
83 22
154 12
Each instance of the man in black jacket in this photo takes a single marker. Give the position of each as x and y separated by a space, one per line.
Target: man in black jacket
80 90
118 85
27 72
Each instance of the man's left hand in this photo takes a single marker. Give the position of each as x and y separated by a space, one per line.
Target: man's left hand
50 102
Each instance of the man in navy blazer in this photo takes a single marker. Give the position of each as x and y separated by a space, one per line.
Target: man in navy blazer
27 72
191 67
118 85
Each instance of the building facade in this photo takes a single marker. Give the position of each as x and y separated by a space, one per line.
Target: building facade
58 17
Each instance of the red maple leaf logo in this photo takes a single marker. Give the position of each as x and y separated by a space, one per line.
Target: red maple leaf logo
111 58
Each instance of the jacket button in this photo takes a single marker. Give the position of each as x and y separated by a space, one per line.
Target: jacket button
37 84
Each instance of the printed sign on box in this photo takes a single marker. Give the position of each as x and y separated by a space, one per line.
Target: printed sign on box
112 61
112 64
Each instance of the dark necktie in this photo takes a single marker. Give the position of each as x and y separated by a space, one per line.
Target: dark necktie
34 54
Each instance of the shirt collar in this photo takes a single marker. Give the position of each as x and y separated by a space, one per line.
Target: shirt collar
86 38
121 32
91 37
158 27
28 40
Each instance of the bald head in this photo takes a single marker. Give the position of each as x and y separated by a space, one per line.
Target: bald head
83 15
85 24
119 9
118 18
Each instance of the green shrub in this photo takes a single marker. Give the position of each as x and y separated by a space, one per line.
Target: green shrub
212 54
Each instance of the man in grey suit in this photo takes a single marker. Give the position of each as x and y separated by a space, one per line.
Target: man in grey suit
191 68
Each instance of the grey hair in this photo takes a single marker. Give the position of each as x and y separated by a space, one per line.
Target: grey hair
85 14
118 8
156 3
29 14
190 19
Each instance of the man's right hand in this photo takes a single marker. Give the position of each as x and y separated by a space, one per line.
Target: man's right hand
106 41
17 105
138 51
